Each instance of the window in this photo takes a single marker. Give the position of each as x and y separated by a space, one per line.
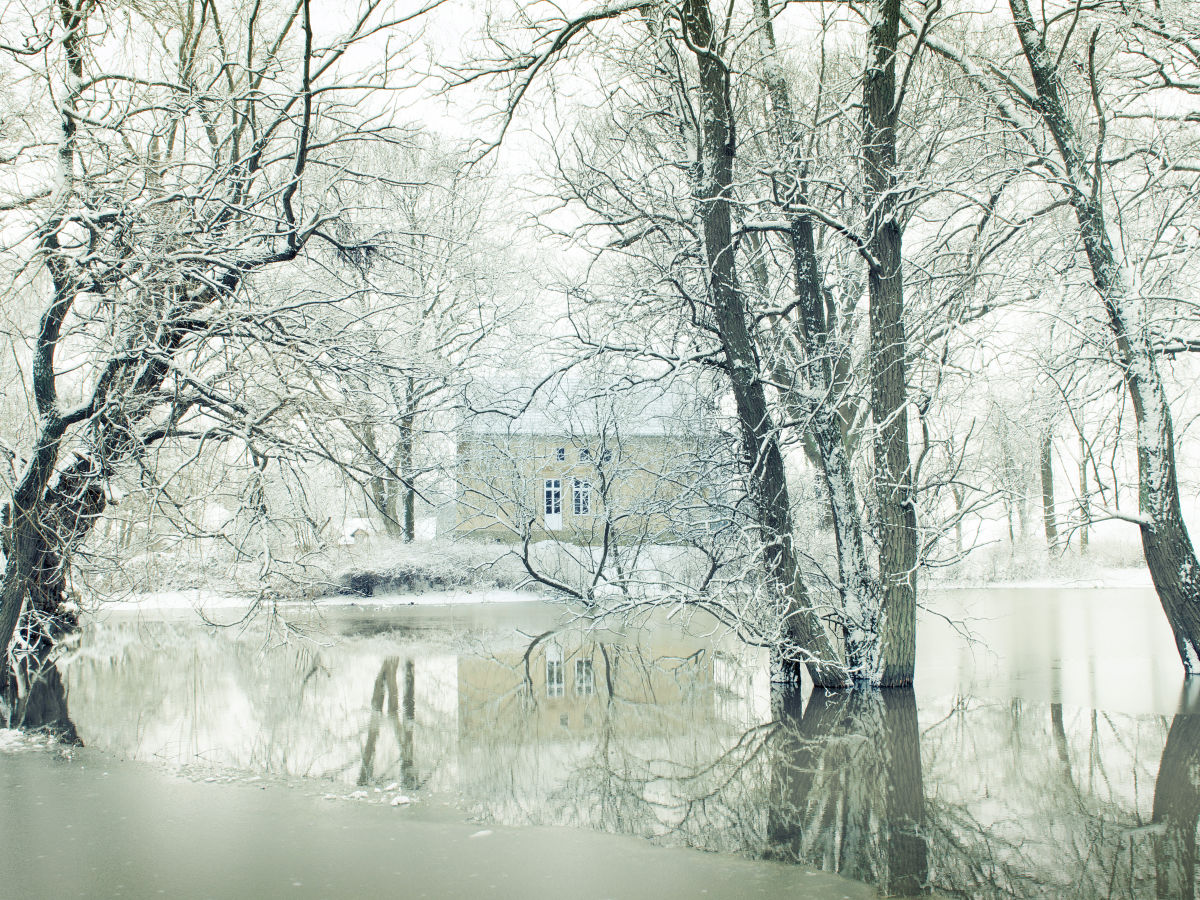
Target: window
582 498
553 497
585 682
561 454
585 454
554 671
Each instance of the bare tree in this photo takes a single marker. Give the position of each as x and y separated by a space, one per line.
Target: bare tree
173 186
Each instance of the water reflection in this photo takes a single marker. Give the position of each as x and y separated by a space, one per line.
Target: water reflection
846 788
1177 801
672 734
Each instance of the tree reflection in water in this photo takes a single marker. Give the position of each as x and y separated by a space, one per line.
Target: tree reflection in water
668 736
846 790
35 696
386 687
1177 801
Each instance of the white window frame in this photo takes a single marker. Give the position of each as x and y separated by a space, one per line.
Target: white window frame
585 677
581 497
552 497
555 673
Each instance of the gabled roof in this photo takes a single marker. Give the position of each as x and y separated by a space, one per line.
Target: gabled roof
582 407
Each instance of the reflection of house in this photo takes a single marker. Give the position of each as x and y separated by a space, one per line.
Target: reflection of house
573 682
587 465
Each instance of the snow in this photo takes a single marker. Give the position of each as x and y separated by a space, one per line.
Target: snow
1191 659
1098 578
13 741
197 599
436 598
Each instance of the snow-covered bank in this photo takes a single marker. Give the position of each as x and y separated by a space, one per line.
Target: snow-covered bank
1099 578
210 600
13 741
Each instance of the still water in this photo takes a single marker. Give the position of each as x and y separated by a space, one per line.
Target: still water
1051 748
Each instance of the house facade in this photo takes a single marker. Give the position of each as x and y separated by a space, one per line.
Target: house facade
586 467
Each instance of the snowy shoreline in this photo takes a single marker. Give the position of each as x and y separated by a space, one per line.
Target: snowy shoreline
196 599
200 600
1100 579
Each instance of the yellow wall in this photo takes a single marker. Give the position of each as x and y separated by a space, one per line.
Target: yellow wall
642 490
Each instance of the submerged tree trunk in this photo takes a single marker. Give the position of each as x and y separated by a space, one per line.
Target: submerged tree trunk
767 478
1165 540
897 521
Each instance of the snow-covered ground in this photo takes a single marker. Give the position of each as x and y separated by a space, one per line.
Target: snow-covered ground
205 599
1100 577
13 741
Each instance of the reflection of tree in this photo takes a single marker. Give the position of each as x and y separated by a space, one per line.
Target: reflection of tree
34 697
846 787
1030 801
1177 803
386 688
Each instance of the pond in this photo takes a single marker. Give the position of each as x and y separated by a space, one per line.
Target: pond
1051 748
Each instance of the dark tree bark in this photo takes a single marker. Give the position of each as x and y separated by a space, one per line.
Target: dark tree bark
811 646
857 585
405 469
1165 540
1085 497
897 523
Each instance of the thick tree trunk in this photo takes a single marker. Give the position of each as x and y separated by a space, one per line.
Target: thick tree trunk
767 478
897 523
857 585
1165 540
1047 470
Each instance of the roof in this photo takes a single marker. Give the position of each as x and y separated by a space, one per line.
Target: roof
580 407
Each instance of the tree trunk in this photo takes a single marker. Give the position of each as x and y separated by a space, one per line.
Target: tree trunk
1085 502
960 497
405 470
857 585
767 478
1165 541
897 522
1047 469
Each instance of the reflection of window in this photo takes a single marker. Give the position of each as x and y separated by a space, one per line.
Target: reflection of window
560 454
585 682
582 497
553 497
554 671
564 720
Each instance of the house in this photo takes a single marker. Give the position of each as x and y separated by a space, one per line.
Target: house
355 530
589 463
